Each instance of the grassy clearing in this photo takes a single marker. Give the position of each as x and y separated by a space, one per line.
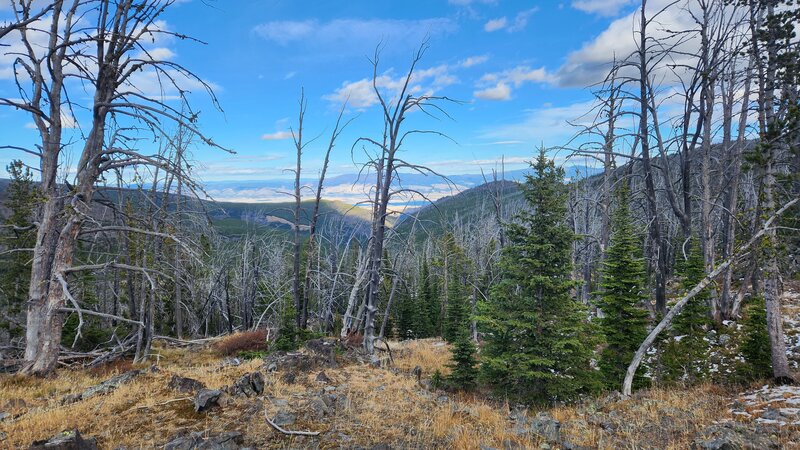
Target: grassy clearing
384 405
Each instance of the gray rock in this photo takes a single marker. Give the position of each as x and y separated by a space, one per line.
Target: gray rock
66 440
547 427
724 339
4 415
249 385
733 437
442 399
283 418
318 407
196 441
183 384
289 378
206 399
322 377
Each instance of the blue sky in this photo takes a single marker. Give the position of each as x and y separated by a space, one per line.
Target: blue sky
520 69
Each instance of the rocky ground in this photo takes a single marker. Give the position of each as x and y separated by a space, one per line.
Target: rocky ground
327 395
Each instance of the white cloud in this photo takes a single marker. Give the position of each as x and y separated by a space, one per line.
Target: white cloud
345 33
499 92
277 136
495 24
497 85
605 8
474 60
361 94
518 24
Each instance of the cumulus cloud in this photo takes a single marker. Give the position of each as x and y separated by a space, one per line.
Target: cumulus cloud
360 94
519 22
495 24
277 136
499 92
497 85
605 8
474 61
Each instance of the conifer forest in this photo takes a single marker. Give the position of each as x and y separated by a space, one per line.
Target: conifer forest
398 265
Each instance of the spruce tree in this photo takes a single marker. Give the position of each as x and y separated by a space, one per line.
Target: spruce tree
755 347
539 342
623 284
457 309
287 339
407 320
428 305
684 356
18 234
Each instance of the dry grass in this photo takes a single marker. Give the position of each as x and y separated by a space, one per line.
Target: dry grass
383 406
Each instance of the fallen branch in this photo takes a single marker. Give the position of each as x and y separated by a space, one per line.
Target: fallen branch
675 310
163 403
288 432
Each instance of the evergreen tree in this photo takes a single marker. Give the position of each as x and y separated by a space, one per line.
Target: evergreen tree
623 284
463 366
428 305
287 339
684 355
406 316
755 347
539 343
457 309
18 235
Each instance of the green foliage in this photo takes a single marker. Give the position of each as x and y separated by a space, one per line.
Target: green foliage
407 317
683 358
457 309
93 333
623 285
288 337
437 380
428 307
15 268
756 347
539 342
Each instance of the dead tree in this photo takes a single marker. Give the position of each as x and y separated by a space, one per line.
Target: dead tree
386 164
117 54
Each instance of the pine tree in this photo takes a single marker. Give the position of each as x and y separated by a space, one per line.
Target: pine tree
623 284
18 235
755 347
406 316
539 343
457 309
463 370
428 305
287 339
684 355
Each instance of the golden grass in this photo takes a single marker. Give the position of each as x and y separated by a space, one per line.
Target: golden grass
384 406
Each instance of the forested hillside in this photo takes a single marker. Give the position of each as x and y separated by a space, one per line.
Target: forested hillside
635 285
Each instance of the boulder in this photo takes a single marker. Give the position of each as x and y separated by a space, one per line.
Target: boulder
195 441
249 385
66 440
322 377
733 437
206 399
183 384
284 418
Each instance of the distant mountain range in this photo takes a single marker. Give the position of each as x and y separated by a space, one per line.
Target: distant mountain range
354 190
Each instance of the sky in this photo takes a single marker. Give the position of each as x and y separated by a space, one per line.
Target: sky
518 70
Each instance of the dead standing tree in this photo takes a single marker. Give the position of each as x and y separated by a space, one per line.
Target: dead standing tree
387 164
103 58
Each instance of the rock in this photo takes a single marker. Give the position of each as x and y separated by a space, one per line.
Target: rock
196 441
272 367
66 440
4 415
289 377
602 422
547 427
318 407
442 399
103 388
733 437
322 377
231 362
183 384
724 339
284 418
417 373
325 349
249 385
206 399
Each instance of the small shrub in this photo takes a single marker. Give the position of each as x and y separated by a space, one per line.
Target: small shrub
242 342
252 354
437 380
